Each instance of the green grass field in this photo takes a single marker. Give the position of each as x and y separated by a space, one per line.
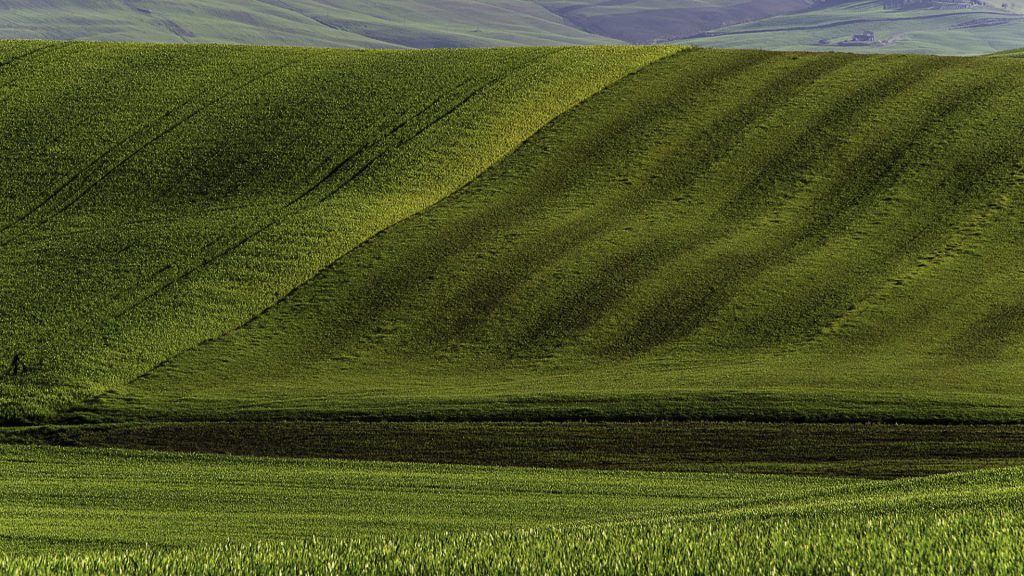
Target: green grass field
591 309
213 515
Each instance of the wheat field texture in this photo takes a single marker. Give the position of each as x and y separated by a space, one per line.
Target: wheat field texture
698 234
523 310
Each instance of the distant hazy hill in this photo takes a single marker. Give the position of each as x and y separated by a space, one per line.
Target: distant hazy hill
380 23
955 27
926 27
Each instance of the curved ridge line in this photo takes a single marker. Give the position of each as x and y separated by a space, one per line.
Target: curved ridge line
331 190
332 263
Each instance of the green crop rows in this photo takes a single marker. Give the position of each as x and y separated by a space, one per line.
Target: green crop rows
412 519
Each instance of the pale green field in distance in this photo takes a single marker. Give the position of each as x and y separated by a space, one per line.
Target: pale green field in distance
378 24
930 27
927 30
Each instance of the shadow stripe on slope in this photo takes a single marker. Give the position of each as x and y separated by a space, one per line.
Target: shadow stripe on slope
507 265
624 261
962 173
922 272
614 69
747 253
325 188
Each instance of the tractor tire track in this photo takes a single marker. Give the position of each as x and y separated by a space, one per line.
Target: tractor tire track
324 189
107 163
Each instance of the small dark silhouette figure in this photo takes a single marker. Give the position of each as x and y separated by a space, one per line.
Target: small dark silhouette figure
18 367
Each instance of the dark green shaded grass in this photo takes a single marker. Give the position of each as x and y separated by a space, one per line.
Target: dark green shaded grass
864 450
113 499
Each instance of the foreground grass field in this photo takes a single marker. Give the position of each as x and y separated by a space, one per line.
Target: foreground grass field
95 499
412 519
380 23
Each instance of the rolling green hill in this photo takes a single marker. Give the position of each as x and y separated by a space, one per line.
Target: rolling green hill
765 236
155 197
253 233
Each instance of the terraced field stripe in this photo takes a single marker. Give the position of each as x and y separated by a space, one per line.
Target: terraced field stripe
964 182
720 264
807 211
622 261
556 314
868 171
920 275
507 266
488 288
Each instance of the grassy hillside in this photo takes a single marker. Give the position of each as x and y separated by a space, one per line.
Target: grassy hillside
924 30
766 236
651 271
700 234
390 518
155 197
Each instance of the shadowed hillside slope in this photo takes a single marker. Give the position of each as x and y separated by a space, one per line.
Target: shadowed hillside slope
154 197
218 233
723 234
